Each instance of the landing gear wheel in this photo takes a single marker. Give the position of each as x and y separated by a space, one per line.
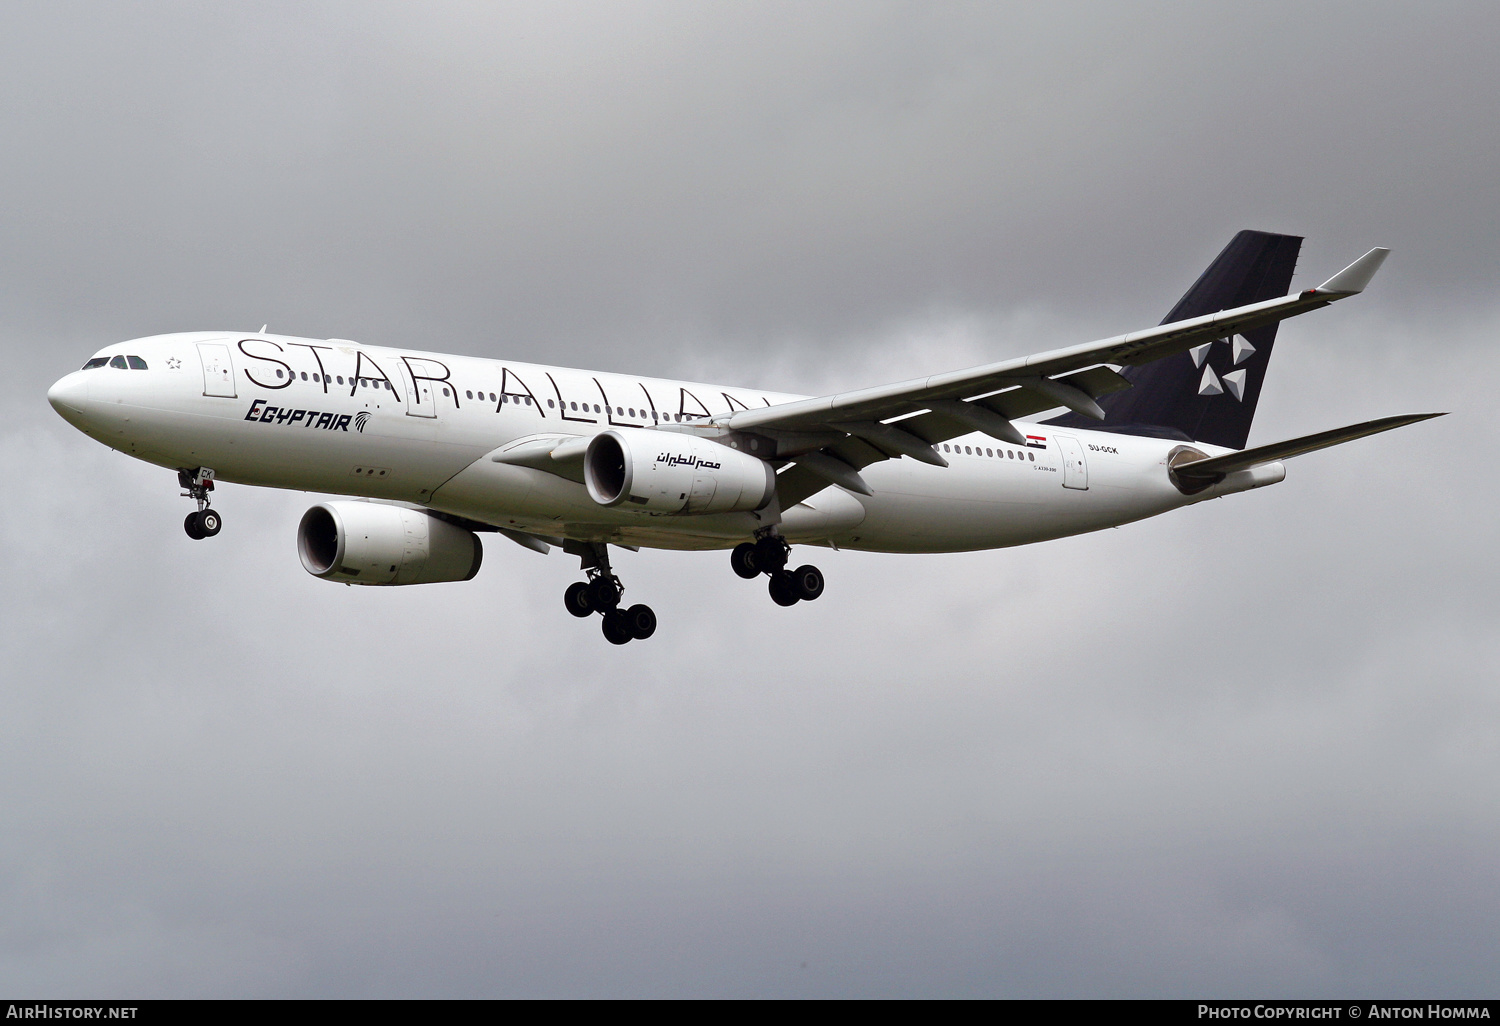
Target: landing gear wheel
770 555
743 561
209 522
577 599
616 627
641 621
193 525
604 593
807 582
783 589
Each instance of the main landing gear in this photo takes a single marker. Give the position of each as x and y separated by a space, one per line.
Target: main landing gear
601 594
203 522
768 555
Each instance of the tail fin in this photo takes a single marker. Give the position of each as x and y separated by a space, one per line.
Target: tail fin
1208 394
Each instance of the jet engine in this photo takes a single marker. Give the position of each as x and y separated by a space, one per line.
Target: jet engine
374 543
668 472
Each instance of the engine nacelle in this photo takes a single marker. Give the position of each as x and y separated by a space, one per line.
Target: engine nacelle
668 472
373 543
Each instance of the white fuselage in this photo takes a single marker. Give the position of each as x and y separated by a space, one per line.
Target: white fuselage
393 424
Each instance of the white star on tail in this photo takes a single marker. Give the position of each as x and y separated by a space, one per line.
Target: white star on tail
1235 382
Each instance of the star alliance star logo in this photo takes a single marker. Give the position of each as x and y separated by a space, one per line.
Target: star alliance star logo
174 363
1234 381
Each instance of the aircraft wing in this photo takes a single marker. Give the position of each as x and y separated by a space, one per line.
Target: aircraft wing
832 437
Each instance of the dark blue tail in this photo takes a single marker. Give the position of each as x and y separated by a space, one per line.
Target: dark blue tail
1207 395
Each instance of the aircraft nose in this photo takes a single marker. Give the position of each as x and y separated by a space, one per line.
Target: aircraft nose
69 396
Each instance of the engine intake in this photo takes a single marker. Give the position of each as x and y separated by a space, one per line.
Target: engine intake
667 472
374 543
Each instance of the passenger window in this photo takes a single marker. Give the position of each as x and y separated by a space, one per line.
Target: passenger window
98 361
468 393
118 363
136 363
1031 456
304 375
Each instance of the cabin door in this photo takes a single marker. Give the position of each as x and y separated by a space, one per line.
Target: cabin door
1075 468
218 369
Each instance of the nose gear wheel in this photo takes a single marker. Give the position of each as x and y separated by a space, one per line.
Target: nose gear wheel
203 522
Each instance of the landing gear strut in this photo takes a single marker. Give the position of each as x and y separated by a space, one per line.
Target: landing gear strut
768 555
601 594
203 522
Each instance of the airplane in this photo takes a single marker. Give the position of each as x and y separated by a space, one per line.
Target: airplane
434 450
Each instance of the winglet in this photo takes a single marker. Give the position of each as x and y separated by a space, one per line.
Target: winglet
1356 276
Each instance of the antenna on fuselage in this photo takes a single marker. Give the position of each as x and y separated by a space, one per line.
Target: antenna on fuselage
263 328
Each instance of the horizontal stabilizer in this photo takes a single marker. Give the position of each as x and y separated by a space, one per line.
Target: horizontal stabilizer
1216 467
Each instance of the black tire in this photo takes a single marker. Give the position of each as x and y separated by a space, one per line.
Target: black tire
743 561
783 589
577 599
616 630
604 594
210 523
193 526
808 582
770 555
641 620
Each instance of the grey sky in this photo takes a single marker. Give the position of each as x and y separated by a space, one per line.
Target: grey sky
1247 748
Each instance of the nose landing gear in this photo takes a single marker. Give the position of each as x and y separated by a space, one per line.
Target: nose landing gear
203 522
601 594
768 555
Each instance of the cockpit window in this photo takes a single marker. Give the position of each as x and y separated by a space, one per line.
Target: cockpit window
119 362
98 361
136 363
